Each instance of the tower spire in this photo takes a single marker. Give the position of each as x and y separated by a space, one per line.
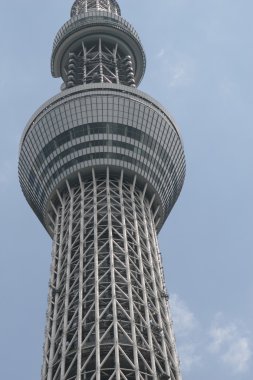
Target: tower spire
82 6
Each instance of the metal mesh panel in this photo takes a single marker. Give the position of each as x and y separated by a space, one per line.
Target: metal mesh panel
108 315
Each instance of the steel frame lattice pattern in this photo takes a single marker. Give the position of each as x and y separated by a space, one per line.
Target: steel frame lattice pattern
108 315
100 5
119 41
99 62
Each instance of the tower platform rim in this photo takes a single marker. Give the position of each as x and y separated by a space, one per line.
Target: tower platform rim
121 28
167 193
94 87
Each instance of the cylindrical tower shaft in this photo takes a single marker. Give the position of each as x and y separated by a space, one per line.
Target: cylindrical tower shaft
108 313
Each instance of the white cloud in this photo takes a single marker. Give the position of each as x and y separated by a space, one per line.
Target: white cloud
187 332
231 344
227 342
238 355
180 74
184 319
161 54
189 357
177 68
221 335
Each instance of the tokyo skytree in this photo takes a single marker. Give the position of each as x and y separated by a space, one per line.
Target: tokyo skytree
102 164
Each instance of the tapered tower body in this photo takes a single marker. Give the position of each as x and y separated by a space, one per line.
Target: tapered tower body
102 164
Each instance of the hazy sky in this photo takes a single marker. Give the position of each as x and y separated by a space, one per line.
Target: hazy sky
200 64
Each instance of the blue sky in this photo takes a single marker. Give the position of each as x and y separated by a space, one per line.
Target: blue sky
200 61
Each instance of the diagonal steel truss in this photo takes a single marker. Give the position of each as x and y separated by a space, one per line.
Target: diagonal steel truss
99 61
108 315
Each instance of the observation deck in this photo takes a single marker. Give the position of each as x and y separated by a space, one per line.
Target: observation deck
100 120
99 126
109 44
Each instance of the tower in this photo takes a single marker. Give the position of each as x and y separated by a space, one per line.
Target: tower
102 164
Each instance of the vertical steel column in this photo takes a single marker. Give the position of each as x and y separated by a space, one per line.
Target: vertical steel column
115 50
84 62
100 54
113 289
67 286
97 312
56 270
108 5
81 270
50 331
129 282
154 284
167 314
144 289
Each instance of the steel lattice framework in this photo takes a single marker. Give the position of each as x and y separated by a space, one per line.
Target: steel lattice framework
81 6
102 164
100 62
108 315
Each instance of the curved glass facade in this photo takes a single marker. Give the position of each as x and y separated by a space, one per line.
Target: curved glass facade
99 128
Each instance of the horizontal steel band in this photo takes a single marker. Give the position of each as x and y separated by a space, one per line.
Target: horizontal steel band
53 153
154 152
91 129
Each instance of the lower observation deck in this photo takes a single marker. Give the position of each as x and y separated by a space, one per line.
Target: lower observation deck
99 126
